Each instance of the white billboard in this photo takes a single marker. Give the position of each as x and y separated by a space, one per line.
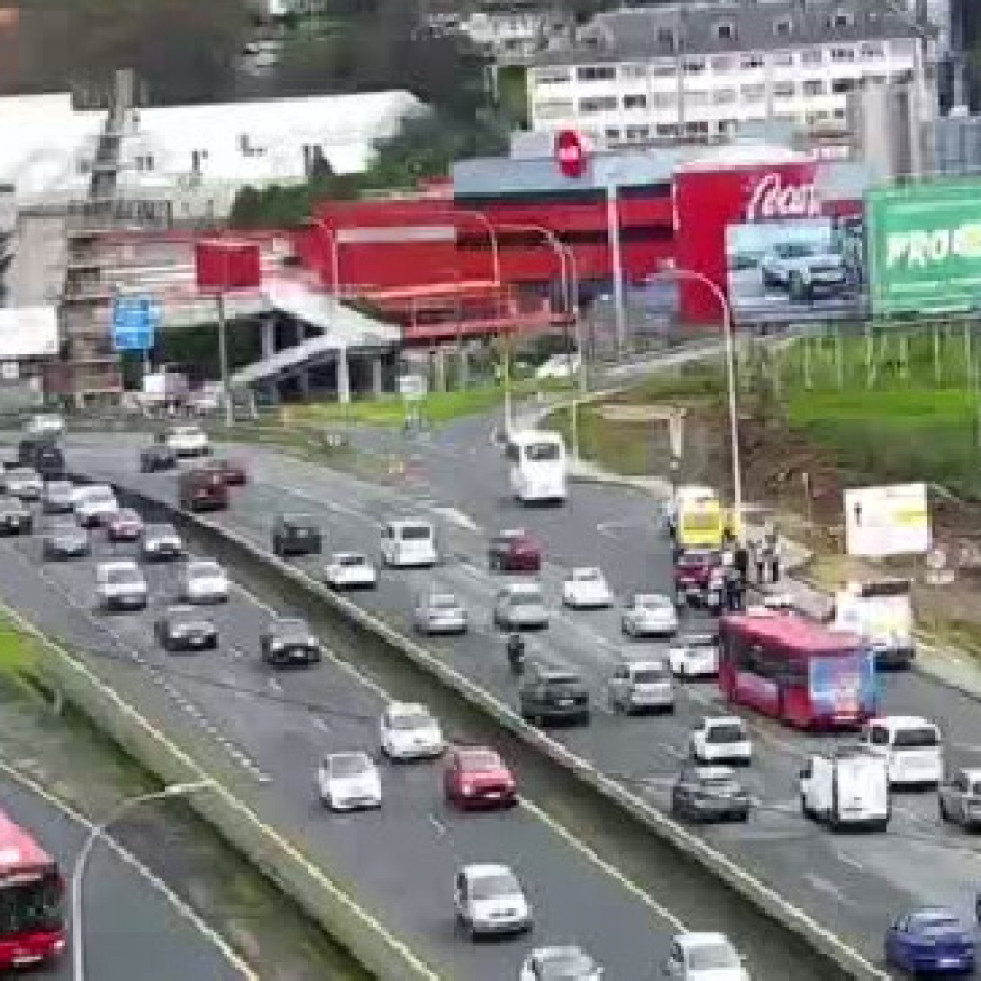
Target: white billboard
890 520
28 332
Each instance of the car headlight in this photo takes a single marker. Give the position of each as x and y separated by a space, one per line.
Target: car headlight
277 645
467 789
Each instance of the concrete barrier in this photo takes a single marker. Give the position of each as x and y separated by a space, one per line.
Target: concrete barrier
235 549
322 899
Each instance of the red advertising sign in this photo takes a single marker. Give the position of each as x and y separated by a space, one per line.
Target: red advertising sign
226 264
570 153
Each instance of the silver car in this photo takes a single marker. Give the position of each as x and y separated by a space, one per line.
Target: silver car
960 798
439 613
24 483
57 497
650 615
520 606
641 686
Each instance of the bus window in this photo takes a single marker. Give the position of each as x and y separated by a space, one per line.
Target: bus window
543 452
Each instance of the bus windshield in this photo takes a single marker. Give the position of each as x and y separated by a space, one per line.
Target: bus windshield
31 903
544 452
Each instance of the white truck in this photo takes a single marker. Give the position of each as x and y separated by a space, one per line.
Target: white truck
880 611
846 788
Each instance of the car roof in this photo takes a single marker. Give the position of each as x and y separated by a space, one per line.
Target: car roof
651 598
512 533
714 772
646 664
697 639
337 556
723 720
902 721
557 671
350 754
183 609
407 708
586 570
482 869
522 587
200 561
691 940
404 522
117 564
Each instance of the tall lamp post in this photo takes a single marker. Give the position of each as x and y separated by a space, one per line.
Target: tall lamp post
730 352
96 833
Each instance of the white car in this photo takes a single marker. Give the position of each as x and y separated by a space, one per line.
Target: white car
409 731
204 581
586 589
559 366
350 570
694 656
349 781
704 957
489 900
24 483
46 424
912 747
650 615
94 504
804 270
188 441
120 585
638 686
721 739
439 613
560 964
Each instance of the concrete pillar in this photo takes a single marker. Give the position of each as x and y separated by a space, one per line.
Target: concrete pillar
343 376
377 376
463 366
267 337
439 365
304 379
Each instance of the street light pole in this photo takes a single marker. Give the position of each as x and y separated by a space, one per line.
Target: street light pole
730 354
98 831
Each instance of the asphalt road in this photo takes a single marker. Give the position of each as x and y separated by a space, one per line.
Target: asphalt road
132 929
854 884
277 726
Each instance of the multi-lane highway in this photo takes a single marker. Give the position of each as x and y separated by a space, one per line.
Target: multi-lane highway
277 726
134 927
852 884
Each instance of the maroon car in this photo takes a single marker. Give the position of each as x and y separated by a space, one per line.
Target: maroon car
124 526
232 473
476 776
514 551
695 577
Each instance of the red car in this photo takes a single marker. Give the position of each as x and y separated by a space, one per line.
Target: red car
232 473
124 526
695 572
476 776
514 551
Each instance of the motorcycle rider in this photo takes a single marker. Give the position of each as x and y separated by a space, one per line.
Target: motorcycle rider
516 652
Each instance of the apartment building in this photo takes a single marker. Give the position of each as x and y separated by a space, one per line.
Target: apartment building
701 70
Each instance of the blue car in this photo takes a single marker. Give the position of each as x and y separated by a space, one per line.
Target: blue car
932 940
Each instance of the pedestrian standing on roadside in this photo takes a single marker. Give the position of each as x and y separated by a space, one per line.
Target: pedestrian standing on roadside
759 560
741 561
773 552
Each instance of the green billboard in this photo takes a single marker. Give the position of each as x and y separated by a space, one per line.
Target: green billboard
924 246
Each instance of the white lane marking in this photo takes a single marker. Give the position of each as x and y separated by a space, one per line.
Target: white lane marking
608 529
274 685
848 860
437 824
321 724
183 909
967 747
821 884
458 518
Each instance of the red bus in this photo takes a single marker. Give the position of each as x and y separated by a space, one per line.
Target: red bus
32 917
796 670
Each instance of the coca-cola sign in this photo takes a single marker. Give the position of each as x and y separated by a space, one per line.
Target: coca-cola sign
570 153
771 197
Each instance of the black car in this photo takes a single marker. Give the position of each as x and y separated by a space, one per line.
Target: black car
289 641
15 517
56 498
552 694
65 539
157 456
296 534
185 628
161 543
709 793
29 447
49 462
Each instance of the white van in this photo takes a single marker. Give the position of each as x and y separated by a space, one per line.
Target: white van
537 467
847 788
409 543
911 746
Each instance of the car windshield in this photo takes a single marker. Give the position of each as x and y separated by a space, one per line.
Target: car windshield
720 786
351 561
652 602
186 431
542 452
298 521
647 676
126 515
407 721
480 761
690 560
124 575
700 640
64 527
712 957
566 966
562 681
204 570
348 765
416 533
918 737
189 620
526 597
444 601
727 732
796 250
493 886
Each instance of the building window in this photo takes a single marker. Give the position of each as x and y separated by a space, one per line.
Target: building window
596 73
814 87
696 98
750 61
698 128
810 57
635 102
842 54
554 108
197 158
553 76
725 30
603 103
723 64
633 71
664 100
144 161
665 35
753 93
842 18
724 97
840 86
694 66
783 90
638 132
783 59
782 27
873 50
667 129
664 70
612 134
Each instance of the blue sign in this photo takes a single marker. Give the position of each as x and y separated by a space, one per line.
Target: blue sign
843 686
135 320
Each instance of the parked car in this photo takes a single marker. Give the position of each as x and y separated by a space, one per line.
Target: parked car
15 517
439 612
514 550
520 606
161 543
649 615
296 534
641 686
586 588
184 628
721 739
709 793
490 900
349 781
553 694
409 731
56 498
125 525
804 269
64 538
960 798
930 940
288 641
350 570
157 456
476 776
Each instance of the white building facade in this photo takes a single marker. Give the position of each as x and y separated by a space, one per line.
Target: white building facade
699 71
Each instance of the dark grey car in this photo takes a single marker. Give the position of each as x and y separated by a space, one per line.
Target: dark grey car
289 641
960 798
185 628
709 793
296 534
553 694
65 539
